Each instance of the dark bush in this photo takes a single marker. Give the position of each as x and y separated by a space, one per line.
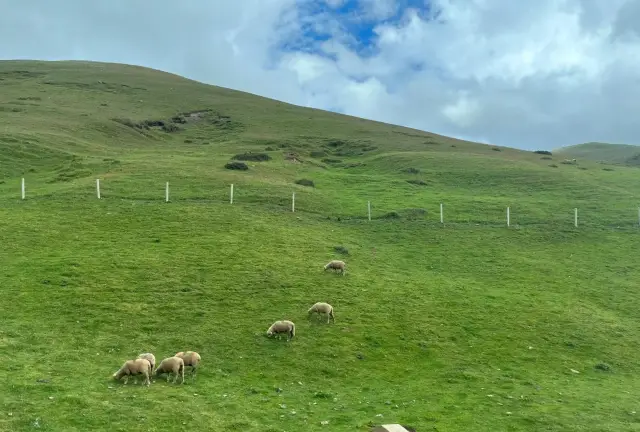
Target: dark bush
607 169
341 250
495 149
391 215
546 158
553 166
417 182
269 149
543 152
603 367
153 123
235 165
331 161
170 127
255 157
305 182
411 170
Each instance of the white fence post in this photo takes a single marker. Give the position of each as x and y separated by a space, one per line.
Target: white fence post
231 195
293 202
508 217
23 191
98 188
166 192
441 214
369 210
575 216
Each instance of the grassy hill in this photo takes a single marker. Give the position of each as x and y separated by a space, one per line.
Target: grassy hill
618 154
466 325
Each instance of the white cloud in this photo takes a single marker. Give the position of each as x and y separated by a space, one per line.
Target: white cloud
529 74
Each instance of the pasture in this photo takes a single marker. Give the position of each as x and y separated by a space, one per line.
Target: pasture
468 325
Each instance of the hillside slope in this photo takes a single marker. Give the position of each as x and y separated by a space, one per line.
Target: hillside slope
618 154
466 325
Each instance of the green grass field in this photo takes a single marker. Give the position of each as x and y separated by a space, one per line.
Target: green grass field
466 326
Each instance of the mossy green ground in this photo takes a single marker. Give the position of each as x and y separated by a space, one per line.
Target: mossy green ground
467 326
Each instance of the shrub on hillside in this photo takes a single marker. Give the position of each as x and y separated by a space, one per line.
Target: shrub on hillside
236 165
543 152
495 149
411 170
331 161
305 182
546 158
391 215
417 182
255 157
341 250
170 127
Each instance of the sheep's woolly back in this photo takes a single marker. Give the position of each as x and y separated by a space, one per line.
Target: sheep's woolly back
150 357
321 307
336 265
173 365
134 367
282 326
191 358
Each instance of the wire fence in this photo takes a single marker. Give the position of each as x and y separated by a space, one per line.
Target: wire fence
620 217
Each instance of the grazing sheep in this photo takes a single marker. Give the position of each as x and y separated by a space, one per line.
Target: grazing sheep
171 365
283 326
191 359
151 358
322 307
134 367
336 265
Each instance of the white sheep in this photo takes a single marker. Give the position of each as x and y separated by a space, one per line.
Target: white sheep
336 265
151 358
134 368
171 365
322 307
283 326
191 359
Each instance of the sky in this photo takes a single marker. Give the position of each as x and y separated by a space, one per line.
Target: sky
527 74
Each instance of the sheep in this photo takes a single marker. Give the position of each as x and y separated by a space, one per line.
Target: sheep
151 358
336 265
191 359
322 307
134 367
171 365
283 326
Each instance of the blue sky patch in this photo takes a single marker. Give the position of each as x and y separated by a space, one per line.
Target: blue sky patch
350 23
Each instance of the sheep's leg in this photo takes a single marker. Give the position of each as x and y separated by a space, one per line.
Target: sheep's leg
126 379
